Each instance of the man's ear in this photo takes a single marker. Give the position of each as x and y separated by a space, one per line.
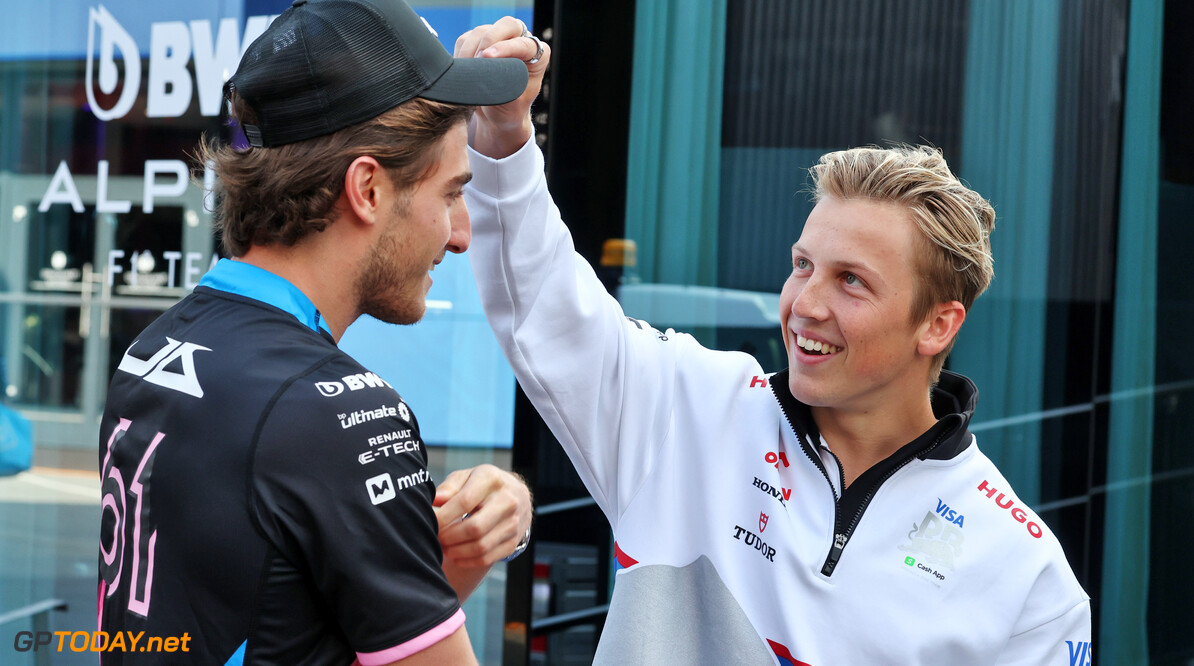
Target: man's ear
364 182
939 329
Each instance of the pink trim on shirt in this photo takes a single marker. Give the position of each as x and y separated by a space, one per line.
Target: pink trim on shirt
416 644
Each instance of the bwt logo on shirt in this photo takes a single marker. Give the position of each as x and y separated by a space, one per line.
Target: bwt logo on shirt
172 46
382 488
353 382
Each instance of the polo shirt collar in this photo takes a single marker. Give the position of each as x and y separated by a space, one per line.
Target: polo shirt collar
243 279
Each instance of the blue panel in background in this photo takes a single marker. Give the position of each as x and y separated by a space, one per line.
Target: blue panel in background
61 34
448 367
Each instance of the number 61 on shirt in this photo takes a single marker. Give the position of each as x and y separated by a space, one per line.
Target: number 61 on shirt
114 521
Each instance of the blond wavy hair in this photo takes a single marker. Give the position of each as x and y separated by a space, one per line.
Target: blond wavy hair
954 221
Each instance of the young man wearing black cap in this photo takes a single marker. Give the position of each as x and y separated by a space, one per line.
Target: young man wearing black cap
265 498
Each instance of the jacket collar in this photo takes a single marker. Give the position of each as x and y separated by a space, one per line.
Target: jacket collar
954 398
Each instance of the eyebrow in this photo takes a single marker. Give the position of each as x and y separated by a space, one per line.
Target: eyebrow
461 180
852 266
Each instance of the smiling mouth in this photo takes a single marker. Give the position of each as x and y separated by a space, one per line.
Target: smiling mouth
815 346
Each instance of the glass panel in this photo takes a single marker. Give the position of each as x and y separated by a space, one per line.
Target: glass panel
1169 625
61 248
49 370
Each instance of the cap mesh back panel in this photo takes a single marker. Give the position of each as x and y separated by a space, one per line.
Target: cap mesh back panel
317 76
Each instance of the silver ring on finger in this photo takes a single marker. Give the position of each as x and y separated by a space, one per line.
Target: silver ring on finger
525 32
539 52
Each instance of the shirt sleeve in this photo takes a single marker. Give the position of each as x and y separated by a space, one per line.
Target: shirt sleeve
341 487
604 384
1065 641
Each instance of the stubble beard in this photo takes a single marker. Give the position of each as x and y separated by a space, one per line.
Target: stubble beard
388 289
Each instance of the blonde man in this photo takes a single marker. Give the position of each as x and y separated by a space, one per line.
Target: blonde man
837 512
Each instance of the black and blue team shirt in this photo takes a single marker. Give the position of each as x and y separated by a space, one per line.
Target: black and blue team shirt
263 493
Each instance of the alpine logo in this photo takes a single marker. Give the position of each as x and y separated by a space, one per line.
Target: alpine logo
780 494
353 382
937 540
154 370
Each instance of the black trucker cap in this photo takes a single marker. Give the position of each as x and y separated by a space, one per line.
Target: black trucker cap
324 65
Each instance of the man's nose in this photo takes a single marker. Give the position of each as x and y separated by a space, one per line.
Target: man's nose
810 301
462 230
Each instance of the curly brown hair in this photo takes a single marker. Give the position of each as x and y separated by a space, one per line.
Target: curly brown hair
280 195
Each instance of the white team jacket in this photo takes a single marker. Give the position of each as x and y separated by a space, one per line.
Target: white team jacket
732 545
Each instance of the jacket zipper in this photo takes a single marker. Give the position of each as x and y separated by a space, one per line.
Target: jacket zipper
841 538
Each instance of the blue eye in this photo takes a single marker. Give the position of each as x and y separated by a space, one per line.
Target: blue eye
802 264
852 279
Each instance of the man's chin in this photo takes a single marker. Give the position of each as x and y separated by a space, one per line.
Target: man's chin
802 389
399 317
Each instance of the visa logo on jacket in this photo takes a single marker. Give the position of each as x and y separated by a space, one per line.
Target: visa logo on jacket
949 514
1080 653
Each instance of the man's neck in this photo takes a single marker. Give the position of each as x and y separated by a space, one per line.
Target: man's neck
326 280
861 438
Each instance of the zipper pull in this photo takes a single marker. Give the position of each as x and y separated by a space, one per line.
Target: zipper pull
835 554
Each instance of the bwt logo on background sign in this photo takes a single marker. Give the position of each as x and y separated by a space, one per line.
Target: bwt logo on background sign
172 46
